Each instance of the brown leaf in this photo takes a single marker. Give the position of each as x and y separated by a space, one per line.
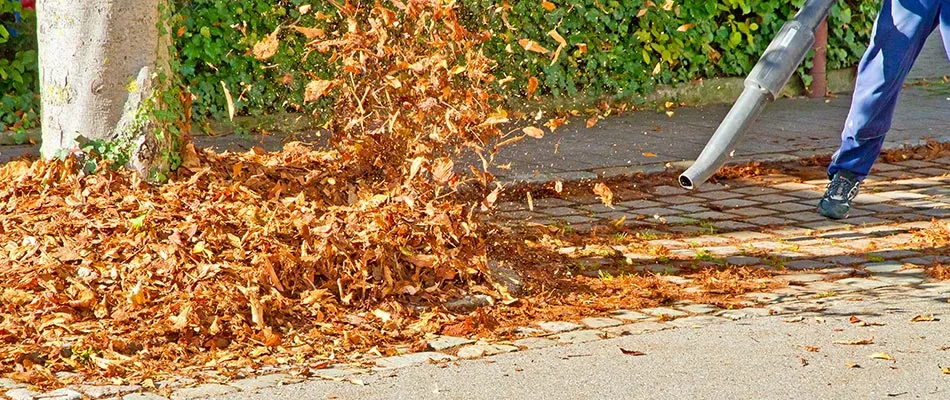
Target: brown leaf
632 352
854 320
310 33
494 120
606 196
560 46
442 170
317 89
592 121
180 321
685 27
882 356
554 123
852 365
532 46
924 318
813 349
859 342
548 5
945 371
533 132
229 100
266 47
649 154
532 87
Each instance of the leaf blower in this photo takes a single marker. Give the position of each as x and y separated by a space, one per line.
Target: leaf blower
762 86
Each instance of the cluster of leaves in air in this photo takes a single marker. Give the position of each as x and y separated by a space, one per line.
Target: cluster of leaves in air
609 48
244 259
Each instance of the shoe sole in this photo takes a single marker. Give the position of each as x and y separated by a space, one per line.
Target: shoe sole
822 212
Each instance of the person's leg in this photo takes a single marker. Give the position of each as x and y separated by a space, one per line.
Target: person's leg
898 36
945 27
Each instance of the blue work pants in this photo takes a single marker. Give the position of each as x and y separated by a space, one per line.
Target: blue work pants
901 29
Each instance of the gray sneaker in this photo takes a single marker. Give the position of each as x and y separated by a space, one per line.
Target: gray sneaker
836 203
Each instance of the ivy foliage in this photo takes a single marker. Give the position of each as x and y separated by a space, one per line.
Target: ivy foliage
19 77
626 47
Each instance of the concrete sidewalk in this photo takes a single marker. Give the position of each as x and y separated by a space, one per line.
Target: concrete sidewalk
786 356
789 128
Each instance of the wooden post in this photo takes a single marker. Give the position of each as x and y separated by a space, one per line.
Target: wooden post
819 83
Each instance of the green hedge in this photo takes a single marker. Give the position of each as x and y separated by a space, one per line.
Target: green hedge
613 47
632 46
19 78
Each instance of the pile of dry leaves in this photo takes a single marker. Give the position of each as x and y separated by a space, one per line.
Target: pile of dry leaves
248 259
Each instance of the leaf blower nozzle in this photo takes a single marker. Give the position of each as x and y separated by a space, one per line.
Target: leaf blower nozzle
762 86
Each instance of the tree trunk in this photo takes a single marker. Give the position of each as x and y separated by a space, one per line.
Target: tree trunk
103 70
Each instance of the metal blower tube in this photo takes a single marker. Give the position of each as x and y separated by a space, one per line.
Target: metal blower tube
763 85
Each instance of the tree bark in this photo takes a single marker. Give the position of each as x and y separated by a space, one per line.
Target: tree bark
99 67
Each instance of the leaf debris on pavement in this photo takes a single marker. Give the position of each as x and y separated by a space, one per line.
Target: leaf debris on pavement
632 352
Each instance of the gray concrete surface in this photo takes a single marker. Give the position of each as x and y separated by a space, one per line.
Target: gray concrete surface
759 358
932 62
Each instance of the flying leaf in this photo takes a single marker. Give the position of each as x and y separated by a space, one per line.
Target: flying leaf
684 27
533 46
882 356
493 120
606 196
415 166
668 6
558 186
548 5
642 12
227 97
490 200
442 170
530 201
648 154
532 86
317 89
266 47
561 44
533 132
310 33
